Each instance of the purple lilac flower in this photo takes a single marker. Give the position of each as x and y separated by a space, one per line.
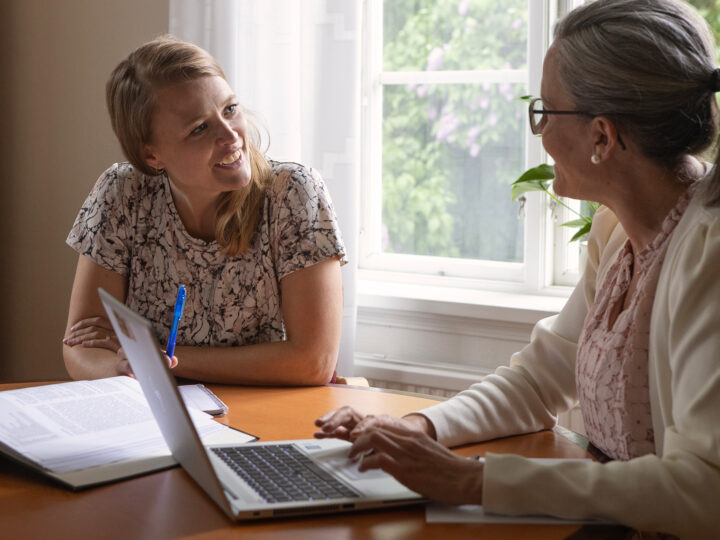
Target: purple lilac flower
472 133
435 59
506 90
448 124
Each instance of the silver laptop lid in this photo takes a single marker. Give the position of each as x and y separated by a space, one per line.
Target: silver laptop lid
158 384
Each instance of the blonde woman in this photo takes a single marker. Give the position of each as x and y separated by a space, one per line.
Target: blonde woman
255 242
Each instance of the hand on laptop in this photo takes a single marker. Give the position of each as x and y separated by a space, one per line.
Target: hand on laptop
420 463
406 449
348 424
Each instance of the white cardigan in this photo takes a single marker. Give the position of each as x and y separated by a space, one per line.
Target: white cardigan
676 490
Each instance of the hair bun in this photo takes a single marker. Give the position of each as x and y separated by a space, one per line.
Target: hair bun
715 80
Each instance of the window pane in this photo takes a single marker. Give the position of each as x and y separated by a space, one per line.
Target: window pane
433 35
450 153
710 9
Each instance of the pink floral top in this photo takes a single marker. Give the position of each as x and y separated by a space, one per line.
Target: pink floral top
612 361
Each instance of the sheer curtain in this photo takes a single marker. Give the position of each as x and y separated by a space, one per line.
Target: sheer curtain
296 65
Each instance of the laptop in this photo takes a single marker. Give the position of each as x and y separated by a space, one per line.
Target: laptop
253 480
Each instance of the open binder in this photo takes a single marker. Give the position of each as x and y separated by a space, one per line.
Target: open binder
86 433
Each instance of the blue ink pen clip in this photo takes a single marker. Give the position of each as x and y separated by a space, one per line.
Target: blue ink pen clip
179 305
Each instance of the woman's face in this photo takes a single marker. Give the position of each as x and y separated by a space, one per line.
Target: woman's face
567 138
199 137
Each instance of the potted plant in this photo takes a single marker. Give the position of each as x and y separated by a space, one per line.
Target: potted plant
540 179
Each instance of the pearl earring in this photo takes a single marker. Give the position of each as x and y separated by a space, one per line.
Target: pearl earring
595 159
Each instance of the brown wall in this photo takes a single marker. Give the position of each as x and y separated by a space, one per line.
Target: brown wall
55 140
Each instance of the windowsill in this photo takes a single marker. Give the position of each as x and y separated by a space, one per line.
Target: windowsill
496 302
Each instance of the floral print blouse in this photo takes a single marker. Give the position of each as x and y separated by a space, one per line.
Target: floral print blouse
612 362
129 224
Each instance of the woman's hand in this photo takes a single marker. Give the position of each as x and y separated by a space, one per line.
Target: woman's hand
348 424
419 463
406 449
98 332
95 332
124 365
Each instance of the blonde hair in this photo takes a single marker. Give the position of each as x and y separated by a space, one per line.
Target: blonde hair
647 65
130 93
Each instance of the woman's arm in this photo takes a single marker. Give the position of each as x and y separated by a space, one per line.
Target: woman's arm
312 311
678 490
540 381
92 352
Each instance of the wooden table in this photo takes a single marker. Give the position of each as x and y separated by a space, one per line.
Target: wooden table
169 505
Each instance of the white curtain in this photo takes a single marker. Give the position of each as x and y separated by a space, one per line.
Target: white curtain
296 65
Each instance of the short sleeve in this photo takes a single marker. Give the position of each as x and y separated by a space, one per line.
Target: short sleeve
306 224
102 229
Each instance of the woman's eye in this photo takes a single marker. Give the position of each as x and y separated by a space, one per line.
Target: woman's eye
230 110
199 129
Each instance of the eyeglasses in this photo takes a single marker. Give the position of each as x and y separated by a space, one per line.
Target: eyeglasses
539 115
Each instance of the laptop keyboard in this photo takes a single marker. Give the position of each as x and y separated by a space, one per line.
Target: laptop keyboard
282 473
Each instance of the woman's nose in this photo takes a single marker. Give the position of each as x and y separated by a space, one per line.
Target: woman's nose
226 133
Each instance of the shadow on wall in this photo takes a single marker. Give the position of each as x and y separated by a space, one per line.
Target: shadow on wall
55 142
6 61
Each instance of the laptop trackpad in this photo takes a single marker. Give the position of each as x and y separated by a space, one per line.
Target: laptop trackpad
373 482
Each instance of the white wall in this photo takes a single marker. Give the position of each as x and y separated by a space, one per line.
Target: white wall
54 143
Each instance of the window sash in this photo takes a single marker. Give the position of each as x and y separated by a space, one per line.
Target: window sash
547 260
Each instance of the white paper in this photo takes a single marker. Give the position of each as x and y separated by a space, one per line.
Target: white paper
472 513
76 425
199 397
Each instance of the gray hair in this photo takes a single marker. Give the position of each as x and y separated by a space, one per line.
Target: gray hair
648 66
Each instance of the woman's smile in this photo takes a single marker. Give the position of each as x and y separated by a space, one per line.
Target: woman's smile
232 160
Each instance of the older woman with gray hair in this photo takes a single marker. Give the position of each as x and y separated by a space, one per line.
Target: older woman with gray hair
627 103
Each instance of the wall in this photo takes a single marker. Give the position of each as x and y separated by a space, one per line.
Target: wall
54 143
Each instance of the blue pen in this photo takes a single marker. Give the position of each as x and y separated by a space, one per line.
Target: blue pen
179 305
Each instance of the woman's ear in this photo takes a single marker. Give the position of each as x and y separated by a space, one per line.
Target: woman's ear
151 158
605 139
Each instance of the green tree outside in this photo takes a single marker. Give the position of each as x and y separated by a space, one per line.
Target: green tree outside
451 151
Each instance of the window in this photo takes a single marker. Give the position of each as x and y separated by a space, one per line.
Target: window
444 136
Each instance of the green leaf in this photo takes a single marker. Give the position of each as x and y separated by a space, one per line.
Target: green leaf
535 179
591 208
582 232
578 222
541 172
528 185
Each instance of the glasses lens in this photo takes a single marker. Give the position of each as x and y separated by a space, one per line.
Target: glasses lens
537 116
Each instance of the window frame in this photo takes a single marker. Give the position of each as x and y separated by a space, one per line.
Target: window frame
549 262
